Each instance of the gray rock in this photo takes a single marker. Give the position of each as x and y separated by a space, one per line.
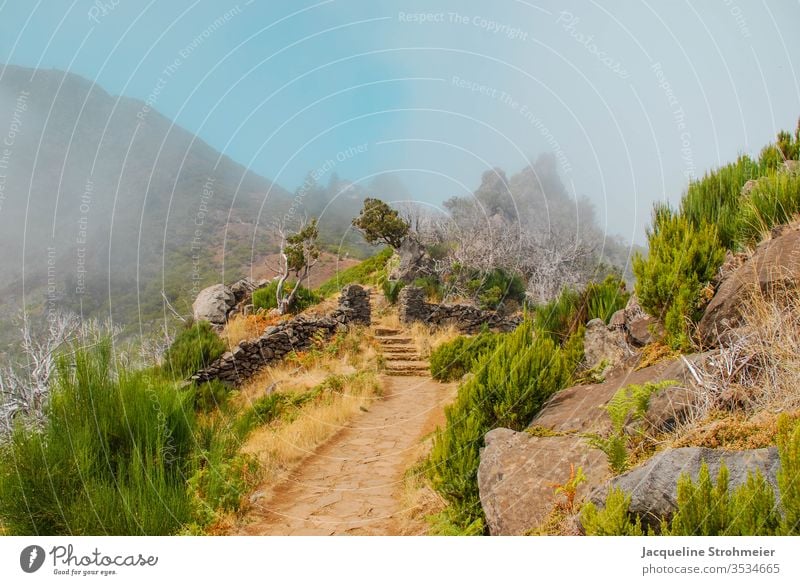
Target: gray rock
517 473
602 343
213 304
653 486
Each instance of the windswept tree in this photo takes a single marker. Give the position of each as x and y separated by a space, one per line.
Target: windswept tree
379 223
298 254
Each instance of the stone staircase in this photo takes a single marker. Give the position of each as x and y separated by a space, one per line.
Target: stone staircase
402 358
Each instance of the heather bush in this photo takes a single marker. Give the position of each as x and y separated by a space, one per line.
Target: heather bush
195 347
682 260
510 385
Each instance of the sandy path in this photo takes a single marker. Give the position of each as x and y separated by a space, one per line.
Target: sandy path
353 483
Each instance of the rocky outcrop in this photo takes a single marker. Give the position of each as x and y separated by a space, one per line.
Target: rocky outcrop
296 334
414 262
517 474
213 304
653 486
775 264
413 307
640 328
517 470
604 344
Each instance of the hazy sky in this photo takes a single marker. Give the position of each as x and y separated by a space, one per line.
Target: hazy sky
633 97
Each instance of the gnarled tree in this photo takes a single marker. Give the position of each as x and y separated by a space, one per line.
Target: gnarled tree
379 223
298 254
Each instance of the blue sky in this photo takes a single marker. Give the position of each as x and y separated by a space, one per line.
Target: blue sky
634 98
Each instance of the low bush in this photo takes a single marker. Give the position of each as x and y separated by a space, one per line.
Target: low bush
210 395
714 199
510 385
681 262
194 348
264 298
451 360
605 298
430 285
391 289
561 317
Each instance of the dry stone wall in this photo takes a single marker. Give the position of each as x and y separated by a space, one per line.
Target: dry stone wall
248 357
412 307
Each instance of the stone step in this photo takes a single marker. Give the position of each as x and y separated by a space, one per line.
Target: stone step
401 356
407 368
407 372
385 332
393 340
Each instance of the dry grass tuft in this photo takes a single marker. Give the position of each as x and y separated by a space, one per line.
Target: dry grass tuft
246 327
418 500
282 445
654 353
754 376
427 338
723 430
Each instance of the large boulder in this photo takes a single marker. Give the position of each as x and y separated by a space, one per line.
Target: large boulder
775 264
653 486
517 474
213 304
517 470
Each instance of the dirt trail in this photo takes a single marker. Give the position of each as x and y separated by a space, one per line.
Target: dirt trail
353 483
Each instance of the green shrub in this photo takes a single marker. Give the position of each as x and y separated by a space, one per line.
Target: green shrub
510 385
681 262
391 289
210 395
706 508
603 299
561 317
714 199
367 272
264 298
194 348
433 289
613 519
112 457
451 360
789 474
774 200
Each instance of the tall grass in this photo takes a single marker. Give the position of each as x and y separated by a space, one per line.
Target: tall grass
265 298
112 458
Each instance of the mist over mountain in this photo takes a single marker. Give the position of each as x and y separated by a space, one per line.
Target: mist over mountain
105 202
107 208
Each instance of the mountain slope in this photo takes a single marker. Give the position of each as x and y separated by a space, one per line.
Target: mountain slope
104 203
